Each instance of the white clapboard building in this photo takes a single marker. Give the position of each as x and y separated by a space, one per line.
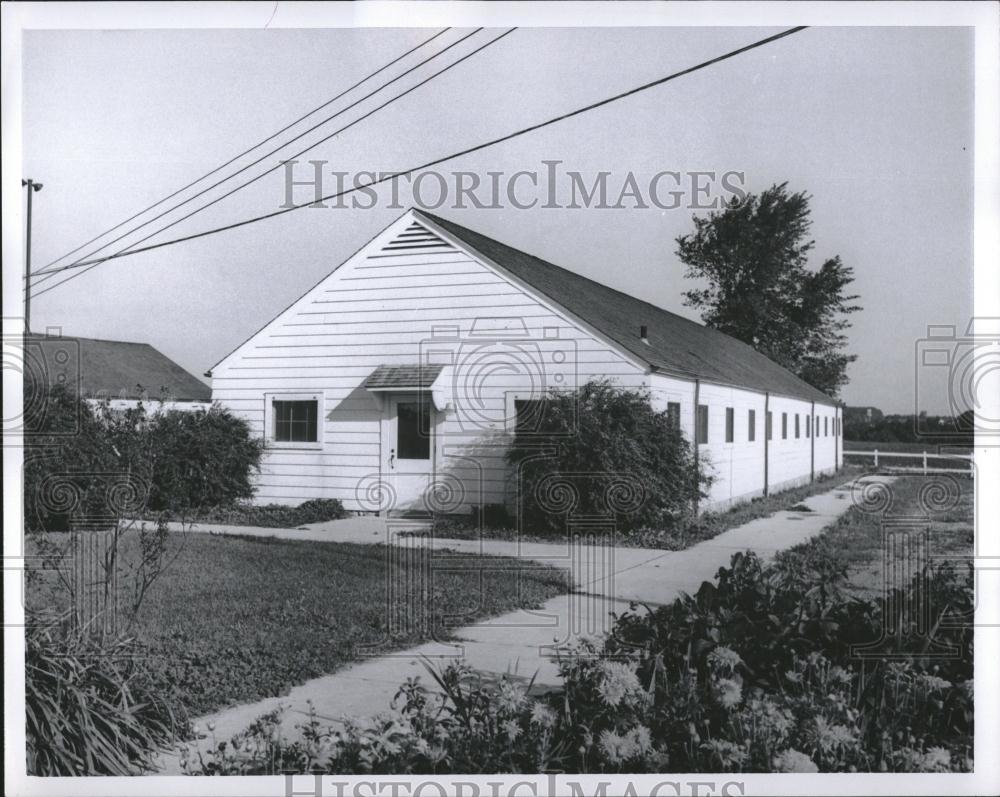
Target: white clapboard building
398 380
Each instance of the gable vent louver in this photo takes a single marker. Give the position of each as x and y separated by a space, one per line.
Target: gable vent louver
415 239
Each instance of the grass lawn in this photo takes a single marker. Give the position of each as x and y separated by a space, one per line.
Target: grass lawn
856 539
705 527
236 619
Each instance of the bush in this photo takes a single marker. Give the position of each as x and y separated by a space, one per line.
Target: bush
752 674
201 458
170 461
607 453
89 710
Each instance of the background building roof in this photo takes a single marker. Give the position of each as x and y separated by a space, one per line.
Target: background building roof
114 369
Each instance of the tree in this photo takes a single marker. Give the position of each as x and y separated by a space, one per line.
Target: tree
753 257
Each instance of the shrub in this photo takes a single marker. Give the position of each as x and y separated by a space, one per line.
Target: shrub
201 458
88 709
173 461
69 448
608 453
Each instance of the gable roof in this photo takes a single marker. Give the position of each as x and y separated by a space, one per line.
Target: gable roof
115 369
676 344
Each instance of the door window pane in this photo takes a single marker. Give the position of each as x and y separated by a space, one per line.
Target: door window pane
413 430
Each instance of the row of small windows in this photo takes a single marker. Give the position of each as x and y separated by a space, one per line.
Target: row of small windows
829 425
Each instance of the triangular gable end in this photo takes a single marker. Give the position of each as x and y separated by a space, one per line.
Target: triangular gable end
414 234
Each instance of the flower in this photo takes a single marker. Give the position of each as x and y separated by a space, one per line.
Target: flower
542 715
724 659
618 680
618 748
512 729
791 760
936 759
933 683
728 754
728 692
509 697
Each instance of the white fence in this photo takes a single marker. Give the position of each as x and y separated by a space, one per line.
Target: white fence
923 456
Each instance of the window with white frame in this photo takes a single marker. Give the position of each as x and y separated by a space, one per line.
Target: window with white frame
293 419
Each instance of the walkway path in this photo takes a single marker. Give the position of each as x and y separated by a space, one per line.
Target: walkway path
607 579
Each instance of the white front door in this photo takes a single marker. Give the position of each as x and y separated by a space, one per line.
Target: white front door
408 447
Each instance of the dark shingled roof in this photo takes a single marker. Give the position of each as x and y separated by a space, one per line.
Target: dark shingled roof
399 376
676 345
114 369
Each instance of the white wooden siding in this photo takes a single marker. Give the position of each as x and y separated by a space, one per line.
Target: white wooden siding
383 306
411 292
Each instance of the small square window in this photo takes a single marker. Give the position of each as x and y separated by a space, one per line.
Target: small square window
752 425
702 424
730 425
295 421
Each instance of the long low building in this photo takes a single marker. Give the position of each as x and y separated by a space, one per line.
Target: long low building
398 381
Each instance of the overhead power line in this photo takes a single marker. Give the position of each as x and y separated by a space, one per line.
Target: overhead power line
50 271
94 263
247 151
438 161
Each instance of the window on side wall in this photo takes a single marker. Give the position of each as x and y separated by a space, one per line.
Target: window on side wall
769 426
674 414
751 425
796 426
730 424
825 419
702 424
784 426
295 420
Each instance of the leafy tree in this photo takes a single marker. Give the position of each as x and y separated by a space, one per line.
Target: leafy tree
753 256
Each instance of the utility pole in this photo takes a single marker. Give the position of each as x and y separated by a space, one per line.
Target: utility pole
32 188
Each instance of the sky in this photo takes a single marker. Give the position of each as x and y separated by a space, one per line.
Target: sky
875 124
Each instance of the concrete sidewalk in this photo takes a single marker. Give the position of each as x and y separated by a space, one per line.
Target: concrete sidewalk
607 580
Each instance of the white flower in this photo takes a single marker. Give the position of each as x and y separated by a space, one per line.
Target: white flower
512 729
728 692
542 715
934 684
724 659
936 759
509 697
618 680
793 761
